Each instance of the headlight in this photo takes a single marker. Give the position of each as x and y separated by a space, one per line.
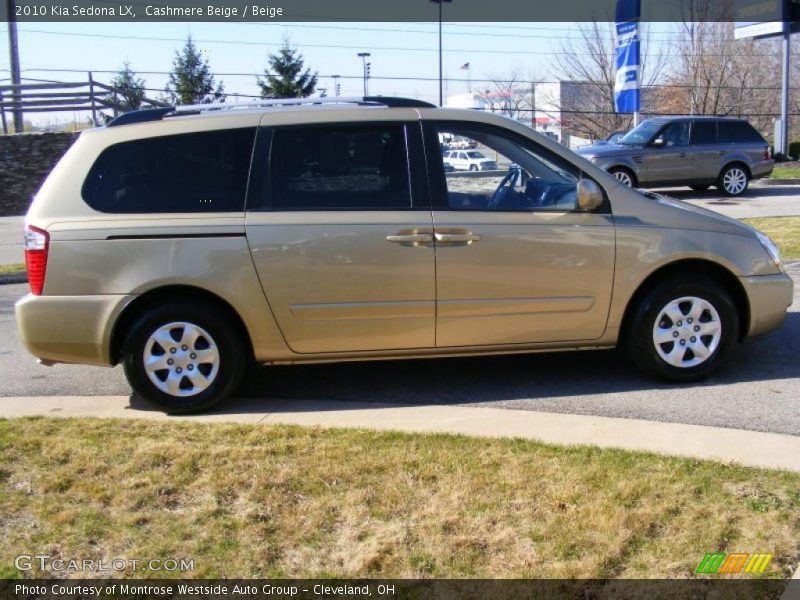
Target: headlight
771 249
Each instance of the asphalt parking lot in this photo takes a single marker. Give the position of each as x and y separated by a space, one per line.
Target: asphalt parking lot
759 389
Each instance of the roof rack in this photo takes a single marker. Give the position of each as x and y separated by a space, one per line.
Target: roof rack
156 114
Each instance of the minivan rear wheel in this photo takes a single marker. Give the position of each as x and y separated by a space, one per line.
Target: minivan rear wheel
683 330
733 180
183 358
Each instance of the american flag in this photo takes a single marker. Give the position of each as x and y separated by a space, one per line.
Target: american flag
464 67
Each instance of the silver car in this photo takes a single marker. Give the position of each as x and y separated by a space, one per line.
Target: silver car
694 151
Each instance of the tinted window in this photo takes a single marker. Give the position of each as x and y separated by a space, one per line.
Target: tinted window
675 134
193 172
704 132
738 132
520 175
355 167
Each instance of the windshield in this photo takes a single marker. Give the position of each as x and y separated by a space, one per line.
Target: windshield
475 155
642 134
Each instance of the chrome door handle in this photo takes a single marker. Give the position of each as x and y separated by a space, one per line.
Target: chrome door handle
457 238
410 238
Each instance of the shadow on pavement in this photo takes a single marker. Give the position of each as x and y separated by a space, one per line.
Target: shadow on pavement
492 378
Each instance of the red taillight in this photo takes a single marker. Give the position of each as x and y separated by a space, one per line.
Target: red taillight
766 153
37 243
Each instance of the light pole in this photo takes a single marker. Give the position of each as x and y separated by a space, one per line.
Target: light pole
13 53
337 90
441 95
365 66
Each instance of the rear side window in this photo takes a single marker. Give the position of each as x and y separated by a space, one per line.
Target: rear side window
704 132
352 167
192 172
738 132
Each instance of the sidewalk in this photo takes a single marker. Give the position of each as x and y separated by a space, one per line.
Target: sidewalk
747 448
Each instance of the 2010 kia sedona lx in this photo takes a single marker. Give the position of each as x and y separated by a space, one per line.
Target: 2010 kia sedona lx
185 243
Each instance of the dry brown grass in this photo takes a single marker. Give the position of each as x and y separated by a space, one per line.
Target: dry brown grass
784 231
249 501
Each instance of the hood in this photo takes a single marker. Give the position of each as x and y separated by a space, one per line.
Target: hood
697 217
607 149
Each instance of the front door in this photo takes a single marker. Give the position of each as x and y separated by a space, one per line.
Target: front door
516 262
668 157
344 244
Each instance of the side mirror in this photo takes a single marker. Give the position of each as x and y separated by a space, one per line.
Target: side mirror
590 195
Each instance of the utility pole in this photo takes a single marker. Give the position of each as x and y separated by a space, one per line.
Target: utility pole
441 87
13 53
337 89
365 65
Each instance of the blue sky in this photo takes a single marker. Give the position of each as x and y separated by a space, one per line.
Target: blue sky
398 50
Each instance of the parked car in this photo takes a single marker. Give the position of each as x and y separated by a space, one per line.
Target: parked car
614 138
469 160
697 152
185 243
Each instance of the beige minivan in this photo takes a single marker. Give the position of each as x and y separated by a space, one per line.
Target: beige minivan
188 242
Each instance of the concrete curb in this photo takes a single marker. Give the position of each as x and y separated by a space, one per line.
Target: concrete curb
730 446
767 181
9 278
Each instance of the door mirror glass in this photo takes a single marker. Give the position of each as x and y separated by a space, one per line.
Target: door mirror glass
590 195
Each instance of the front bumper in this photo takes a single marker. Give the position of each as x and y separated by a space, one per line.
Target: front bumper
769 297
69 329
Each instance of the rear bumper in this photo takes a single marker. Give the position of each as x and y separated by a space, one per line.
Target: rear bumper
769 297
762 168
69 329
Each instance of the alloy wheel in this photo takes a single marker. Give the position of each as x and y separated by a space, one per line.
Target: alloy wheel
734 181
623 177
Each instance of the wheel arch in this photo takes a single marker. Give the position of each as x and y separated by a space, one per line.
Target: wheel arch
715 271
140 303
736 161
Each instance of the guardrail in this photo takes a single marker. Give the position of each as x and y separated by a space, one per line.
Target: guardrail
62 96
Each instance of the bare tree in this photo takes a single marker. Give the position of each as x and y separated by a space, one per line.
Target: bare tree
587 65
509 94
715 74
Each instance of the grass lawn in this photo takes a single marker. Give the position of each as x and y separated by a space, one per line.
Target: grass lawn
12 269
248 501
784 231
786 172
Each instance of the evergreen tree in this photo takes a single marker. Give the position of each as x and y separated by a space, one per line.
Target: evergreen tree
130 88
191 80
285 77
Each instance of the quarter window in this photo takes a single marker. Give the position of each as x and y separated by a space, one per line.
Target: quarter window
355 167
192 172
738 132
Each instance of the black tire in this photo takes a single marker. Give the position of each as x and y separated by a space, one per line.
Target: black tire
225 335
727 187
473 168
699 188
624 175
639 335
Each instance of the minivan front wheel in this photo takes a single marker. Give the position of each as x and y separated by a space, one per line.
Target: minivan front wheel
683 331
733 180
183 359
